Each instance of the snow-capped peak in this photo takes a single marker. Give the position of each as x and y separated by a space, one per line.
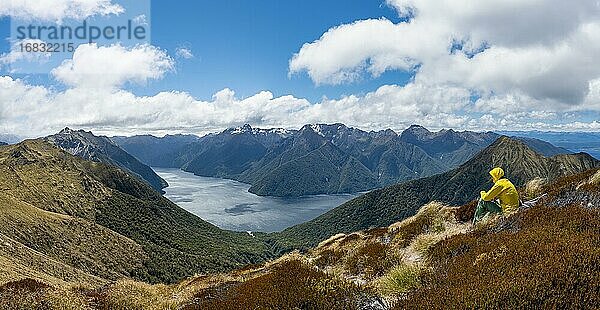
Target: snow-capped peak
241 130
317 128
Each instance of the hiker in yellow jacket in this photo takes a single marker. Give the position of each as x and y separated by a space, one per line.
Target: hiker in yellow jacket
501 198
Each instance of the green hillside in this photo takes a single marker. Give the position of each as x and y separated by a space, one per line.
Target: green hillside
99 219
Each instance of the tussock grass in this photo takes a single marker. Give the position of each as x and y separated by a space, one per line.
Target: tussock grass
129 294
572 183
535 188
433 223
595 179
400 279
372 259
466 212
33 294
61 298
423 242
328 257
331 240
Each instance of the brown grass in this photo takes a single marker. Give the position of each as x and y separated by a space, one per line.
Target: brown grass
329 257
572 183
372 260
291 285
400 280
466 213
552 262
595 179
535 188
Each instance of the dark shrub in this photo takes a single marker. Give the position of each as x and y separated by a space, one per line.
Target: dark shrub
291 285
371 259
465 213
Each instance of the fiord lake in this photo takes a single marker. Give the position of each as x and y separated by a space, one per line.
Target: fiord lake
228 204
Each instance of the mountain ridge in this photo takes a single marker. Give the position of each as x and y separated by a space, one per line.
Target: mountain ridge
102 149
384 160
384 206
155 151
266 158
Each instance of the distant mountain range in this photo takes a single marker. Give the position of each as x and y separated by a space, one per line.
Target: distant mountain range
588 142
3 143
456 187
318 158
102 149
154 151
64 219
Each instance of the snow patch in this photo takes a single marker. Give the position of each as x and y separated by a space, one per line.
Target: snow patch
317 128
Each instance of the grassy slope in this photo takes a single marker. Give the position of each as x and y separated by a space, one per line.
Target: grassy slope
545 257
429 261
177 243
17 262
75 242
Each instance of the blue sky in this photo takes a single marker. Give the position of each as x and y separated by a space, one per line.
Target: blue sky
246 45
377 64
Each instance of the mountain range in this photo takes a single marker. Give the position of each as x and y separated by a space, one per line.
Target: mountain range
456 187
318 158
102 149
64 219
10 138
76 234
71 218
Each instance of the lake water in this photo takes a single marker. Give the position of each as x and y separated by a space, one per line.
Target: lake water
228 204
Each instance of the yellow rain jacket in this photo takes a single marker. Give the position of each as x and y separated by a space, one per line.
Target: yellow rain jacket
503 190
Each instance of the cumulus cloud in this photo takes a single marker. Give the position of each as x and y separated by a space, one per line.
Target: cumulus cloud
94 66
36 110
343 53
541 51
17 54
58 10
478 65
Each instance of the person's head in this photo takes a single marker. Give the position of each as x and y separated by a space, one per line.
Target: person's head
497 174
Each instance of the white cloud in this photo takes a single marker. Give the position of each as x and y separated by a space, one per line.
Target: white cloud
35 110
545 51
185 53
58 10
18 53
141 20
540 79
343 53
593 98
94 66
